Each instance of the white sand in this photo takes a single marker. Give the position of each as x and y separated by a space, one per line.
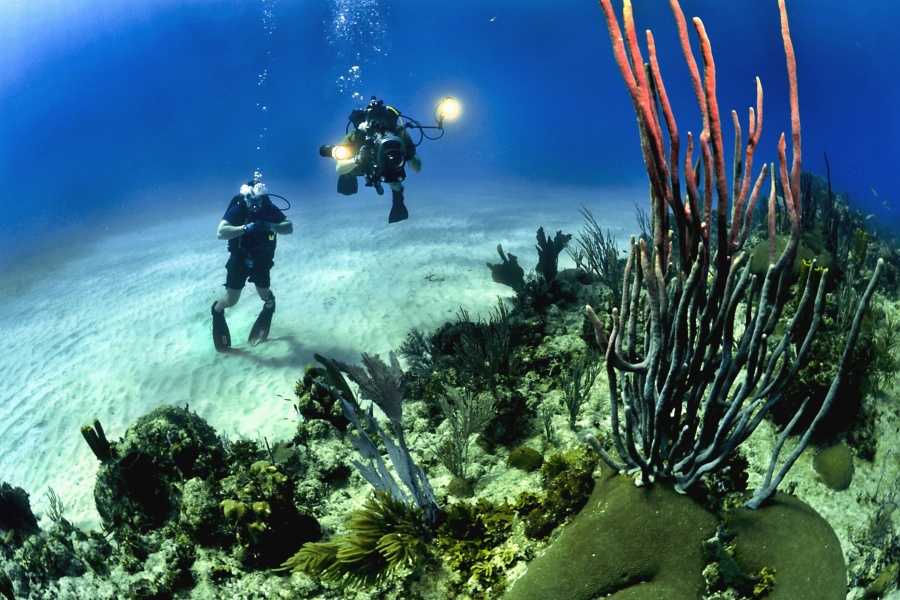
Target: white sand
124 326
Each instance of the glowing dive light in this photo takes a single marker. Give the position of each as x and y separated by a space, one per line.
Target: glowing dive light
341 153
448 109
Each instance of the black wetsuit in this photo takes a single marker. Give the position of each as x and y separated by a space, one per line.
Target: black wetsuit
251 254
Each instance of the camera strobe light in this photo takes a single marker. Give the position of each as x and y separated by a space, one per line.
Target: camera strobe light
448 109
341 153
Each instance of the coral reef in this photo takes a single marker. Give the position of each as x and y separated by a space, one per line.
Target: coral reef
598 255
508 272
691 384
445 479
548 253
138 483
180 510
17 521
618 546
797 543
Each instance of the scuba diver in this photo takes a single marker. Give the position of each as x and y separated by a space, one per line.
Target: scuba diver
377 146
250 224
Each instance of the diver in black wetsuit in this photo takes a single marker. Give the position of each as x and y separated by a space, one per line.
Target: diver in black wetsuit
250 224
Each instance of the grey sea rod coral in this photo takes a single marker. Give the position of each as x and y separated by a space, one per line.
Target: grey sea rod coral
381 383
701 348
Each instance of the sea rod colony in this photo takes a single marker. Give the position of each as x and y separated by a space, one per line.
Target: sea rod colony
696 377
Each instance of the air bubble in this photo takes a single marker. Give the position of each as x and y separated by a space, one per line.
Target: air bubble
267 21
358 32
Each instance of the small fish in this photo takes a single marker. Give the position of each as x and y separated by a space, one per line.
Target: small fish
492 19
868 217
874 192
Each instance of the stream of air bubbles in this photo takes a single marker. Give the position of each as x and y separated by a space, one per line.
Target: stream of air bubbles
267 20
358 33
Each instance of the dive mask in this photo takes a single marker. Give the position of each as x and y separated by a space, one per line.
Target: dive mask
253 194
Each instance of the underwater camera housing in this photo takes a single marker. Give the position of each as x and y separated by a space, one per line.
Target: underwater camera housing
382 152
381 159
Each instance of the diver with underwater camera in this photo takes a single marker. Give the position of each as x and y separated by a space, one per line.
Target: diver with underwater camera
377 146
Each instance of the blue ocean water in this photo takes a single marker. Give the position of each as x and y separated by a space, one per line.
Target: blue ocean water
105 107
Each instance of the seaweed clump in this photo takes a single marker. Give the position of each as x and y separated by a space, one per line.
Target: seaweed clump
567 479
476 542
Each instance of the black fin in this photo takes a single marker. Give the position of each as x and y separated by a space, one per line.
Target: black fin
398 209
221 335
347 184
260 331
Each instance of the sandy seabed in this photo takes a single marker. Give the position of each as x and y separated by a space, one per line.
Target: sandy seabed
123 324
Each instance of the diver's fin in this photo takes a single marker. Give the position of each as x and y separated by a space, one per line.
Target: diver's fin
398 209
221 335
347 184
260 331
